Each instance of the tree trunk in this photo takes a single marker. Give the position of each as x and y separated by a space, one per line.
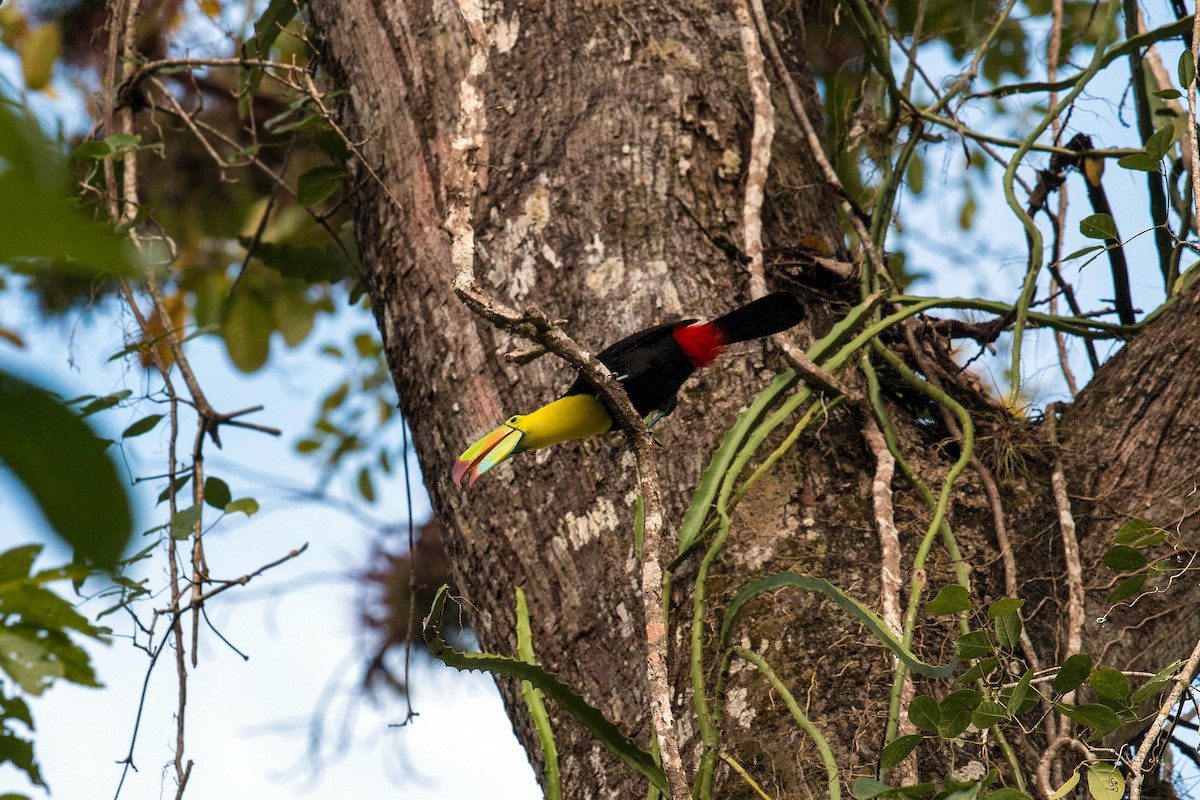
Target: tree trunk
611 198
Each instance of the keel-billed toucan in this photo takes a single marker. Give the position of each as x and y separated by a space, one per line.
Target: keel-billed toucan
652 365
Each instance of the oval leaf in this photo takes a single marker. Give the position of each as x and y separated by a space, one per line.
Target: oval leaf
1067 786
1143 162
868 788
1187 69
898 749
1127 588
247 505
975 644
1073 673
143 425
1098 226
956 711
63 466
924 712
1101 719
216 493
1008 630
988 714
318 185
1003 606
1105 782
1160 142
1110 683
247 332
1132 530
1124 558
184 522
950 600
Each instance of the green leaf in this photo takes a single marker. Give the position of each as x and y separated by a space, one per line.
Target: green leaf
1007 793
310 264
18 562
18 752
1142 162
216 493
1133 530
27 659
180 482
38 203
1110 683
564 697
1159 143
1008 630
92 150
277 15
1069 784
103 403
1021 697
924 712
898 749
247 331
143 425
1123 557
876 626
1105 782
64 469
365 487
1156 684
184 522
307 446
868 788
40 51
974 644
1187 69
1168 94
988 714
950 600
293 315
981 670
318 185
333 144
1074 671
120 143
1101 719
247 505
1098 226
1084 251
1004 605
956 712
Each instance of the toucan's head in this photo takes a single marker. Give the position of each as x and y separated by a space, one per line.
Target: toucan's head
572 417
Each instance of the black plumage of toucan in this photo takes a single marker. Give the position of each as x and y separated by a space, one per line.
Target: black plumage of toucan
651 364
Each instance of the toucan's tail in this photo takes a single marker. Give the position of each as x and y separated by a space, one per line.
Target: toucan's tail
767 315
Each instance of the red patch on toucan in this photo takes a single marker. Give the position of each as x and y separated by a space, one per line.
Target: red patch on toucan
700 343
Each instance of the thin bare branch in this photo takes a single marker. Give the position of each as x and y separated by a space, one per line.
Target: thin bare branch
1070 542
1182 680
758 168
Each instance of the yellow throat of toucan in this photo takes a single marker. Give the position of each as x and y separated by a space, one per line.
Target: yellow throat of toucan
575 416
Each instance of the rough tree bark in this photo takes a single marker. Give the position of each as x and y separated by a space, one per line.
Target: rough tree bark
611 198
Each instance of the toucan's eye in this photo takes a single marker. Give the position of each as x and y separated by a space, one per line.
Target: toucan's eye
514 420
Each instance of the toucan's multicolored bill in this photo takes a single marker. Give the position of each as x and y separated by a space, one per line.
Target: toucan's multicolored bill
486 453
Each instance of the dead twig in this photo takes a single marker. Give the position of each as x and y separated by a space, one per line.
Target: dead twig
1182 681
